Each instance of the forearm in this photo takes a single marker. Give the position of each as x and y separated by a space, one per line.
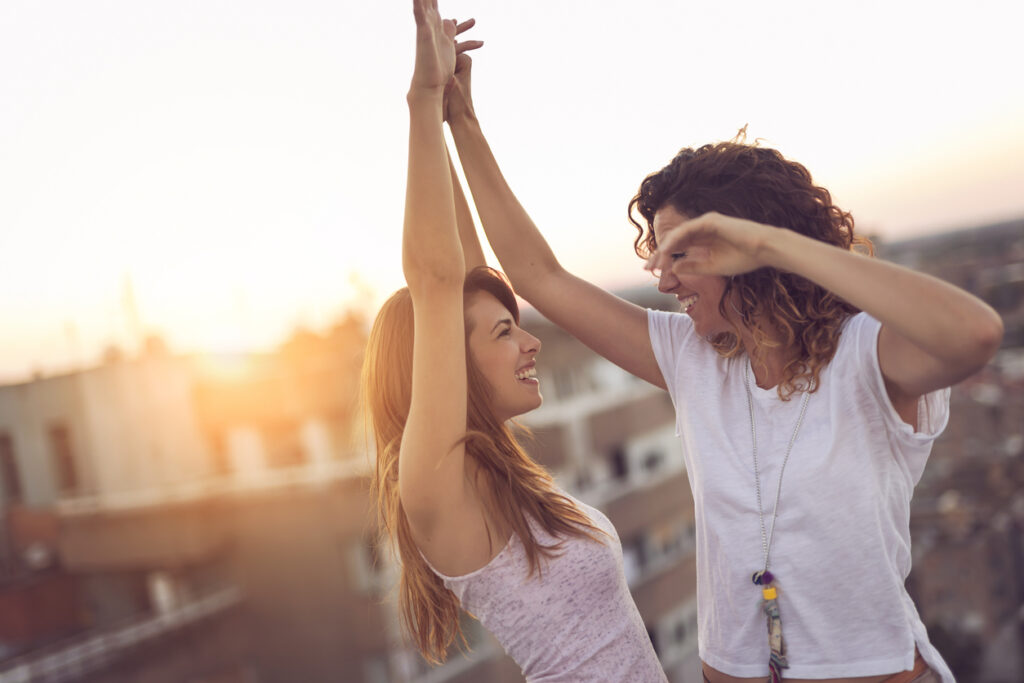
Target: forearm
524 254
942 320
471 249
430 241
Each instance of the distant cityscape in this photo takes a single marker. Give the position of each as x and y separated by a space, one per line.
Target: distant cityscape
207 519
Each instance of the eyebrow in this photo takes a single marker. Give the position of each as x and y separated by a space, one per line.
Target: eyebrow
505 321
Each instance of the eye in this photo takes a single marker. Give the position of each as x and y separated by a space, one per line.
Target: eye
678 255
505 332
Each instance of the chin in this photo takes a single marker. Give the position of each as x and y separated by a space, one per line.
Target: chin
525 408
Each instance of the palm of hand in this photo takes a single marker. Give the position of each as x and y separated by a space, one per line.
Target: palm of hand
714 244
435 47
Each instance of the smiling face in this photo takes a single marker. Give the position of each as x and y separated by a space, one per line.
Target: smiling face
504 353
698 295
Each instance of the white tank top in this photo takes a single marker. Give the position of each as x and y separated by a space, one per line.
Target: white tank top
575 620
841 549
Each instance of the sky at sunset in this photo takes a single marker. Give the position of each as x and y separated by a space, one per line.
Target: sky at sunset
219 172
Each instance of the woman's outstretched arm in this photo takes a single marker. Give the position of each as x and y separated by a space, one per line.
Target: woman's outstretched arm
430 473
612 327
933 334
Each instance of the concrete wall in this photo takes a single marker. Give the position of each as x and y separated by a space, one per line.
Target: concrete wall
132 427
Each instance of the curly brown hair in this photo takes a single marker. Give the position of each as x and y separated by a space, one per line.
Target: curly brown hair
757 183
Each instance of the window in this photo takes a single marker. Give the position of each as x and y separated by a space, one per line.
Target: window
652 460
633 560
584 480
63 459
9 478
654 640
619 464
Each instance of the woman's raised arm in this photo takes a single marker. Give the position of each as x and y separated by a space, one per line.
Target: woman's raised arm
472 252
612 327
431 457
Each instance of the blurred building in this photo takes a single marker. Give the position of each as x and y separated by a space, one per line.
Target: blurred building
987 261
967 519
93 465
208 519
168 519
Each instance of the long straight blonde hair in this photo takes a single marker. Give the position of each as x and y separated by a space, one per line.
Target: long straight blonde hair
523 490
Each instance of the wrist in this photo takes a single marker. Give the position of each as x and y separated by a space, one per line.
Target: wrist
781 248
464 120
424 96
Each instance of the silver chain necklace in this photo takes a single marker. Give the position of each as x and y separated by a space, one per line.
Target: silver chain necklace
764 578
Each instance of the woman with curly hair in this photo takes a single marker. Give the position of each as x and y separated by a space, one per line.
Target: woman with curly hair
809 383
477 524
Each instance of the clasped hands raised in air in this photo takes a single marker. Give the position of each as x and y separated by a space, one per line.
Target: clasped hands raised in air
439 57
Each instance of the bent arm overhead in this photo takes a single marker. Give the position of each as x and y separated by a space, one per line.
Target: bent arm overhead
933 334
614 328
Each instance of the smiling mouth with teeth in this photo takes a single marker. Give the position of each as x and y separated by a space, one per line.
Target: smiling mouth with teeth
529 374
688 302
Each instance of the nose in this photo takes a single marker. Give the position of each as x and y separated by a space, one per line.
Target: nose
667 281
529 343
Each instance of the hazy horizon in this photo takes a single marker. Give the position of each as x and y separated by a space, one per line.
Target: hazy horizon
243 167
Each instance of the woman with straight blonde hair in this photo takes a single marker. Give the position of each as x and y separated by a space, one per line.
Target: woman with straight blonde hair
476 523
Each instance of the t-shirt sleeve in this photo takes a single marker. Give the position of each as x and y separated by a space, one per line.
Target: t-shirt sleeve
861 340
670 335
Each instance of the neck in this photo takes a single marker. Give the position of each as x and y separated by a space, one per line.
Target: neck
766 362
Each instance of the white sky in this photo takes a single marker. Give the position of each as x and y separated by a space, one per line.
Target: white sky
243 164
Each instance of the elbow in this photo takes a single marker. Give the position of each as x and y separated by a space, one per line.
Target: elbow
433 274
985 338
988 335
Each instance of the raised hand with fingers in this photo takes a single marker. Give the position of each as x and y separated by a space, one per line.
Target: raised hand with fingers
710 244
457 99
435 48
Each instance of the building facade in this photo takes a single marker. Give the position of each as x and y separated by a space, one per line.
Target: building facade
209 519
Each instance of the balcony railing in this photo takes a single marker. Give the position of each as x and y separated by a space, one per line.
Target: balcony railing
308 474
71 660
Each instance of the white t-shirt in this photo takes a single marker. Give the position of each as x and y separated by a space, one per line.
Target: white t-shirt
841 548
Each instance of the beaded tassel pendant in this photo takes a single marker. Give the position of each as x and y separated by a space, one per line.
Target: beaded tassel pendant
770 604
